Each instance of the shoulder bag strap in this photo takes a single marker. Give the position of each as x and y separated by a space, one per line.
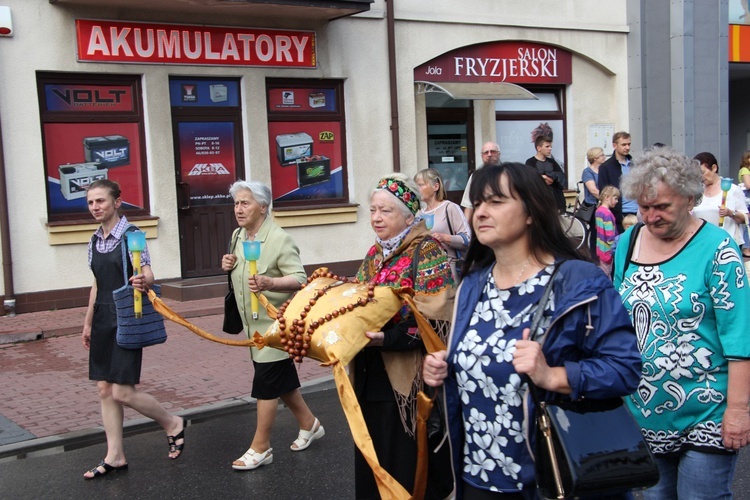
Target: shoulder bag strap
631 247
232 244
541 306
448 218
535 321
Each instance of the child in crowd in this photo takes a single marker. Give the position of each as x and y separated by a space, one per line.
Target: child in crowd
606 228
629 220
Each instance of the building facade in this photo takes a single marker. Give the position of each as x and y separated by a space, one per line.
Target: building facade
176 99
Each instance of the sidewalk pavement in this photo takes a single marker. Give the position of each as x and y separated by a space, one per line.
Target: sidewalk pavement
47 401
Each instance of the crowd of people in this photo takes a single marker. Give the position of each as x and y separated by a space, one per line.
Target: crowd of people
653 310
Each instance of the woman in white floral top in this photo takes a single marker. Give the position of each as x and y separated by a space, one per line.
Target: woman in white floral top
517 247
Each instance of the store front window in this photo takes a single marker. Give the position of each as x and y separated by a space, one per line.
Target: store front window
92 128
306 140
519 122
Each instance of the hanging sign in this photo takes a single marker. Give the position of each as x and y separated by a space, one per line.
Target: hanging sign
497 62
132 42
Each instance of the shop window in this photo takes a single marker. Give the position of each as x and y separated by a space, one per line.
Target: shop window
307 143
92 128
519 122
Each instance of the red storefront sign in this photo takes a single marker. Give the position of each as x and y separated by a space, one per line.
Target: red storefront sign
507 61
131 42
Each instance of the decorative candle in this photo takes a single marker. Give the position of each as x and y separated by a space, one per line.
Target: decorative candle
726 185
136 244
252 254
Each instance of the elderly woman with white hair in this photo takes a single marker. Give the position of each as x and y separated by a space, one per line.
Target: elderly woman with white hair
280 273
386 372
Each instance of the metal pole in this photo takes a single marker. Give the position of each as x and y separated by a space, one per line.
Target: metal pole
10 301
394 87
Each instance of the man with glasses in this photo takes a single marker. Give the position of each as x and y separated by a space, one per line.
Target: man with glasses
490 156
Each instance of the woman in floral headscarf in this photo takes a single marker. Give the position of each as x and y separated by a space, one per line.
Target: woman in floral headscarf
387 373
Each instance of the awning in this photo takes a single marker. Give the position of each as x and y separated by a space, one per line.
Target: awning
478 90
232 12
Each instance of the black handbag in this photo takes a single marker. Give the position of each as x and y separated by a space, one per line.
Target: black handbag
589 446
132 332
584 212
232 319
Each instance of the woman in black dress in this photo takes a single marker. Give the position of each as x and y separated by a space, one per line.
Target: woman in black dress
115 369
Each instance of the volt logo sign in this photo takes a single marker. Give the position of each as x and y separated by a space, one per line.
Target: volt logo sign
88 98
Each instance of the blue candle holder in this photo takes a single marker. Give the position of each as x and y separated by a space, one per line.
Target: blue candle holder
726 184
136 241
251 249
429 220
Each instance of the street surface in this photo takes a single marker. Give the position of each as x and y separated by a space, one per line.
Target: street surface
323 471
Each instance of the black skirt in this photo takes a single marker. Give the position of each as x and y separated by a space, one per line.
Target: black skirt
274 379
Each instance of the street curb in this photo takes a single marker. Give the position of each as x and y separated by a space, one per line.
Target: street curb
70 441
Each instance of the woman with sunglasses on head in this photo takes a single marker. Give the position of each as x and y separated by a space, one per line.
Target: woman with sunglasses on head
449 224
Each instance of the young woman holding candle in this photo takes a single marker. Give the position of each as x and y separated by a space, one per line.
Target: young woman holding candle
279 274
117 370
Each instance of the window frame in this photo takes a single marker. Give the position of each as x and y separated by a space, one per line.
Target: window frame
308 116
134 116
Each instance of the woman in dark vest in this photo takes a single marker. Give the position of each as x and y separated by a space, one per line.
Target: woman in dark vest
117 370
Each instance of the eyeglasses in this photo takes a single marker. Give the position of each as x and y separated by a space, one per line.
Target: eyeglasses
490 152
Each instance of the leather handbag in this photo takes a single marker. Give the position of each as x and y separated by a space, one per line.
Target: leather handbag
232 319
584 212
589 446
132 332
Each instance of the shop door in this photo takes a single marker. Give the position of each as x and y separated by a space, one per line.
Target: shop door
208 160
450 137
207 136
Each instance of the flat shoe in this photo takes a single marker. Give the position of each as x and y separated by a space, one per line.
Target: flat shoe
252 460
107 469
305 438
173 446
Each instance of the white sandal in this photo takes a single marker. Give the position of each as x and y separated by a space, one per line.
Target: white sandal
305 438
252 460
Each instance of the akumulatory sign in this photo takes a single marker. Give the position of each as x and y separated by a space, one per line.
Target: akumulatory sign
132 42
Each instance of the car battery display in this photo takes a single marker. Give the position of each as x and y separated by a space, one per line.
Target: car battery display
317 100
292 147
217 92
313 170
76 177
110 151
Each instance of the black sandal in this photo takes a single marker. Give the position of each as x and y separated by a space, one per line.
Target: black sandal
107 469
173 446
